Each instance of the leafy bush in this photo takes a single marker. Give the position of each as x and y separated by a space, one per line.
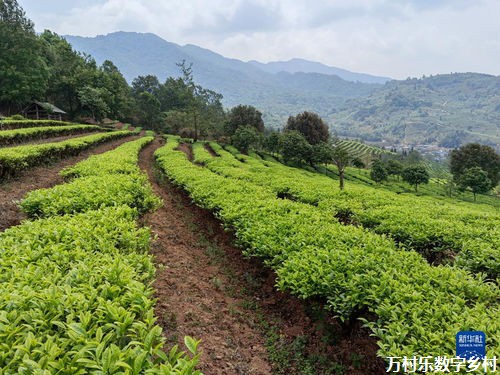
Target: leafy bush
15 159
75 294
90 193
74 297
16 117
417 307
9 137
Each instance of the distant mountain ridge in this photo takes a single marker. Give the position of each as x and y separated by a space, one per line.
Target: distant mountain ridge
445 110
278 95
295 65
304 66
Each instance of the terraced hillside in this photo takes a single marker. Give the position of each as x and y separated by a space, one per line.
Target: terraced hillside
362 274
367 252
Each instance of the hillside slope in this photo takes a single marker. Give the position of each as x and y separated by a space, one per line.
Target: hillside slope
448 110
278 95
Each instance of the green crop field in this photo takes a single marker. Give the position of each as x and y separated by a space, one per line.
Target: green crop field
76 276
9 137
360 150
416 270
20 124
15 159
75 294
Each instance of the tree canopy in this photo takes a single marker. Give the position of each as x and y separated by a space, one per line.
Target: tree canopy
476 180
178 103
243 115
415 176
378 172
310 125
23 70
341 159
475 155
46 68
294 147
245 137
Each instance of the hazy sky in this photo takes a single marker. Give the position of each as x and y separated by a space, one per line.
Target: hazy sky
396 38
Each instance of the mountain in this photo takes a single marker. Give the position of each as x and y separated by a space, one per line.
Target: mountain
305 66
447 110
277 94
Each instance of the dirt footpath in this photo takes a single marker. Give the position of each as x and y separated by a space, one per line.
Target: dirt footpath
192 289
206 289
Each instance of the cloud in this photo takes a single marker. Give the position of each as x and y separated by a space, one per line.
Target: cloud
249 16
398 38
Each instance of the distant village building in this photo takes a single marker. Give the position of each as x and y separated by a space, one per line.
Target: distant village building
43 111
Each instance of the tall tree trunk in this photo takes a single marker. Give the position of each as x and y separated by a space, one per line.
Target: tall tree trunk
341 179
195 128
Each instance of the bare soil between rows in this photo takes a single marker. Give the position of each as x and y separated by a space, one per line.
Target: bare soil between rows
205 288
15 188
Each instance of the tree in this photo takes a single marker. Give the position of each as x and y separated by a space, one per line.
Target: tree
118 99
208 105
271 142
174 95
243 115
11 14
310 125
148 83
476 180
68 71
23 71
244 138
175 121
73 76
449 186
378 173
394 167
415 176
357 163
205 106
91 98
341 160
322 153
475 155
149 110
294 148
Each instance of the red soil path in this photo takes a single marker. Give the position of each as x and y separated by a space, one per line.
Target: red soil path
205 288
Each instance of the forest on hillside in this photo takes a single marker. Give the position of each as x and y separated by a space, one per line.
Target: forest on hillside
45 68
447 110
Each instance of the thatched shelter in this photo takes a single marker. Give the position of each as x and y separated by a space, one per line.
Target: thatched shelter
43 111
